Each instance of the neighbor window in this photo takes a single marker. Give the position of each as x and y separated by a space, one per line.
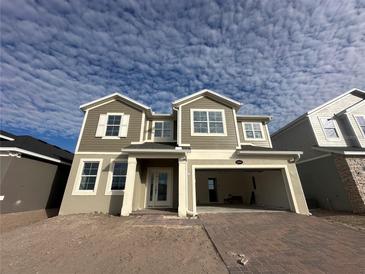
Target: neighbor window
163 129
113 125
88 176
208 122
361 122
253 130
119 175
329 127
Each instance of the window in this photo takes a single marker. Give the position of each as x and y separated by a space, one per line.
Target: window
119 175
208 122
212 189
361 122
113 125
88 176
163 130
329 128
253 131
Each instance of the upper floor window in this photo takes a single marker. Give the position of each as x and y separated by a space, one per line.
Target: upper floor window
163 130
361 122
330 128
208 122
253 131
113 125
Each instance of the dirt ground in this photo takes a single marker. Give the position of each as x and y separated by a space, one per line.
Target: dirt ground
354 221
103 244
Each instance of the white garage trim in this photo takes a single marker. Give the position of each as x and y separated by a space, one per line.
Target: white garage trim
292 200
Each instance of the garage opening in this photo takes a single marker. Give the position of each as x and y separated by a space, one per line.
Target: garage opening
221 190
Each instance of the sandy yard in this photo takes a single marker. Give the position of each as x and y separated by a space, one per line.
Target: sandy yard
104 244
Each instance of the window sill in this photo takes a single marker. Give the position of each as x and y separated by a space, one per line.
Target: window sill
114 192
255 139
111 137
208 134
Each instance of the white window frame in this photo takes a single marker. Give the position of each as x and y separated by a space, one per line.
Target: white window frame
358 124
253 139
76 189
162 139
208 133
108 190
339 138
106 125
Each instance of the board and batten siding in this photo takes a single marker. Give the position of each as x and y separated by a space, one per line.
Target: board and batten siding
329 111
91 143
208 142
260 143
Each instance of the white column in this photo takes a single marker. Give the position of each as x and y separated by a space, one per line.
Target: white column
182 187
129 187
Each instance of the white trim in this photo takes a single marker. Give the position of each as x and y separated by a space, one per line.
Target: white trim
178 133
260 152
6 137
147 128
33 154
236 128
76 190
334 139
253 139
116 94
206 91
100 152
358 124
2 197
142 126
268 135
154 150
192 133
81 131
292 197
255 117
314 158
108 190
345 152
162 139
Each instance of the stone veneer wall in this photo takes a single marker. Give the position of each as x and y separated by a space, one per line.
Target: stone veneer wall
352 173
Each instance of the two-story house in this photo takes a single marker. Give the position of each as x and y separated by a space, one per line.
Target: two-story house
129 158
332 137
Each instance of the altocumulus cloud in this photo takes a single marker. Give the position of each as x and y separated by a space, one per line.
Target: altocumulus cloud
276 57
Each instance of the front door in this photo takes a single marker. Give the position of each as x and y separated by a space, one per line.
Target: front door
159 187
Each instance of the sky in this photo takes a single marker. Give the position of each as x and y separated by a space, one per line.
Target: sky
279 58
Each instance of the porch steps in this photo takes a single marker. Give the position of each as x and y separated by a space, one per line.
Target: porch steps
162 212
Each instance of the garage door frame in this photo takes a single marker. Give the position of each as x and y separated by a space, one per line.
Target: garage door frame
284 170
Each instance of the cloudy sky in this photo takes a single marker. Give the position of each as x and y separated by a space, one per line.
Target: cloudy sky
276 57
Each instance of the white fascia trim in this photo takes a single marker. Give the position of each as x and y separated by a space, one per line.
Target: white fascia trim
100 152
258 117
201 92
34 154
6 137
345 152
334 100
115 94
155 150
81 131
250 152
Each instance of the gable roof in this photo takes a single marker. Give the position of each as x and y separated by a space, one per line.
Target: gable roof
209 93
37 148
115 95
301 117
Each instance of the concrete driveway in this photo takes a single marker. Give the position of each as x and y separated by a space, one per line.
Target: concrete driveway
285 243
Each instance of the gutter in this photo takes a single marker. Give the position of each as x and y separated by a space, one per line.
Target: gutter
155 150
296 154
345 152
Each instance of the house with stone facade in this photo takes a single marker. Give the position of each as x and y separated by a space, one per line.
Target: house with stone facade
129 158
332 137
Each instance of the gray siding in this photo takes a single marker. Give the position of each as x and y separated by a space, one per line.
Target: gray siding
299 137
330 110
261 143
91 143
29 184
321 182
208 142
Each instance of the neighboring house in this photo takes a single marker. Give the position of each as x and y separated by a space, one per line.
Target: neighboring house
129 158
332 137
33 173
